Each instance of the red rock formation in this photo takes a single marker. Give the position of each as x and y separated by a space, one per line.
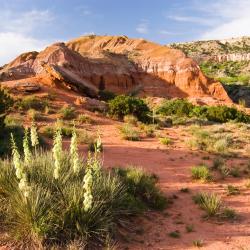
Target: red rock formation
119 64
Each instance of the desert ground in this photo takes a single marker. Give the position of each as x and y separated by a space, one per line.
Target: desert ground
172 164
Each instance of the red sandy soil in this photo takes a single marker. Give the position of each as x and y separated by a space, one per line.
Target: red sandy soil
173 167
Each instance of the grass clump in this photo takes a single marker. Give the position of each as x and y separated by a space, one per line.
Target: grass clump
34 115
175 234
84 119
202 173
142 185
129 133
189 228
67 113
165 141
232 190
130 119
57 198
210 203
198 243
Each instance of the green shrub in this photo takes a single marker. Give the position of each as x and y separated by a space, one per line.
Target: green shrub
201 173
106 95
32 102
5 103
211 203
123 105
129 133
178 107
67 113
182 108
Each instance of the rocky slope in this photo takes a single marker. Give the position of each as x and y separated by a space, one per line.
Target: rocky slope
115 63
235 49
228 61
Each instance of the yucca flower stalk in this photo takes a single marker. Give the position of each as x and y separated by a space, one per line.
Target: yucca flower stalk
88 198
34 135
26 149
24 186
16 159
75 161
57 152
20 174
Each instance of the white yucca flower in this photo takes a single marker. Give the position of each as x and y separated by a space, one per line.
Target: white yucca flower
26 149
24 186
57 152
74 152
33 135
16 159
23 183
88 198
98 145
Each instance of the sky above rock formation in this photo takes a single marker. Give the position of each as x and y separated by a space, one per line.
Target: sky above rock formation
27 25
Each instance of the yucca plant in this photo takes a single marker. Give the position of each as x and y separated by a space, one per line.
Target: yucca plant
88 207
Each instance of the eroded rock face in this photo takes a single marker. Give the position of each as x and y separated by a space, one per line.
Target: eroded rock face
118 64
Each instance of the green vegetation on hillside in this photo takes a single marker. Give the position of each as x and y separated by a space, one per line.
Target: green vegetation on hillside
180 107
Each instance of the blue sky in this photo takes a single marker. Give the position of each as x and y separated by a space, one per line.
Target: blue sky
32 24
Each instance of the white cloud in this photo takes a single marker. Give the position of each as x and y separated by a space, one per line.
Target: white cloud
234 19
192 19
13 44
16 32
142 27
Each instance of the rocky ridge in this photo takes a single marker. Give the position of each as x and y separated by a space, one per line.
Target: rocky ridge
119 64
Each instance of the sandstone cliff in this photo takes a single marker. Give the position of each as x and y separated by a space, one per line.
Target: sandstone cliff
116 63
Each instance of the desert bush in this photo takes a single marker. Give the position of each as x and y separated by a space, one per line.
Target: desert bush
201 172
13 120
123 105
33 115
148 129
106 95
49 130
40 209
67 113
130 119
179 107
32 102
82 118
5 103
220 143
129 133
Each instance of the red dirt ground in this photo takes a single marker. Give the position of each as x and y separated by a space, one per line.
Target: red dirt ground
173 166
